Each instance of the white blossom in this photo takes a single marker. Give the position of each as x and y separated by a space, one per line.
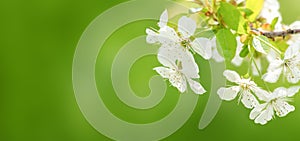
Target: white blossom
271 11
245 88
168 36
296 37
289 66
276 101
179 68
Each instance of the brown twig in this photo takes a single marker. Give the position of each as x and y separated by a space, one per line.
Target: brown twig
280 33
273 34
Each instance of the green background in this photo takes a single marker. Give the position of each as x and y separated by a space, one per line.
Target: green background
37 43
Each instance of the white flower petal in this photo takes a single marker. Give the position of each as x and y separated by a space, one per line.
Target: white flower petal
237 60
249 100
283 108
175 78
265 116
295 25
292 51
232 76
279 92
228 93
152 37
292 67
257 110
196 87
276 63
186 26
274 71
272 55
260 93
168 56
163 19
189 67
277 102
168 36
295 38
203 47
182 68
178 81
292 74
292 91
164 72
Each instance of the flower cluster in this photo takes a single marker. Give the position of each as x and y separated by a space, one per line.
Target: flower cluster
175 53
250 94
238 32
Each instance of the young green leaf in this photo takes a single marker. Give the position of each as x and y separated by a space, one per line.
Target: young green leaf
227 41
282 45
232 17
274 22
248 12
244 52
255 6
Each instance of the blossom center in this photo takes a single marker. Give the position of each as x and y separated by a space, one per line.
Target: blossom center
186 43
244 86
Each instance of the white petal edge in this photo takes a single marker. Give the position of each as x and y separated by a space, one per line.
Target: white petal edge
232 76
203 47
249 100
186 26
196 87
163 19
228 93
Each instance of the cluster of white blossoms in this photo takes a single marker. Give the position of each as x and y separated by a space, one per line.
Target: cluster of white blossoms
175 53
287 64
250 94
276 101
178 45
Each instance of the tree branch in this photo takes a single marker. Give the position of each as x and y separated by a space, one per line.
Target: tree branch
280 33
272 34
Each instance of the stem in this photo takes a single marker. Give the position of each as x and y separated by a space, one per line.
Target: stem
260 74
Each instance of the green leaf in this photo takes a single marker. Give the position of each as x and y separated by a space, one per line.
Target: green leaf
232 17
227 41
244 52
282 45
262 44
248 12
255 6
274 22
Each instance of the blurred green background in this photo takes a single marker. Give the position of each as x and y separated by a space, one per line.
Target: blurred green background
37 103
